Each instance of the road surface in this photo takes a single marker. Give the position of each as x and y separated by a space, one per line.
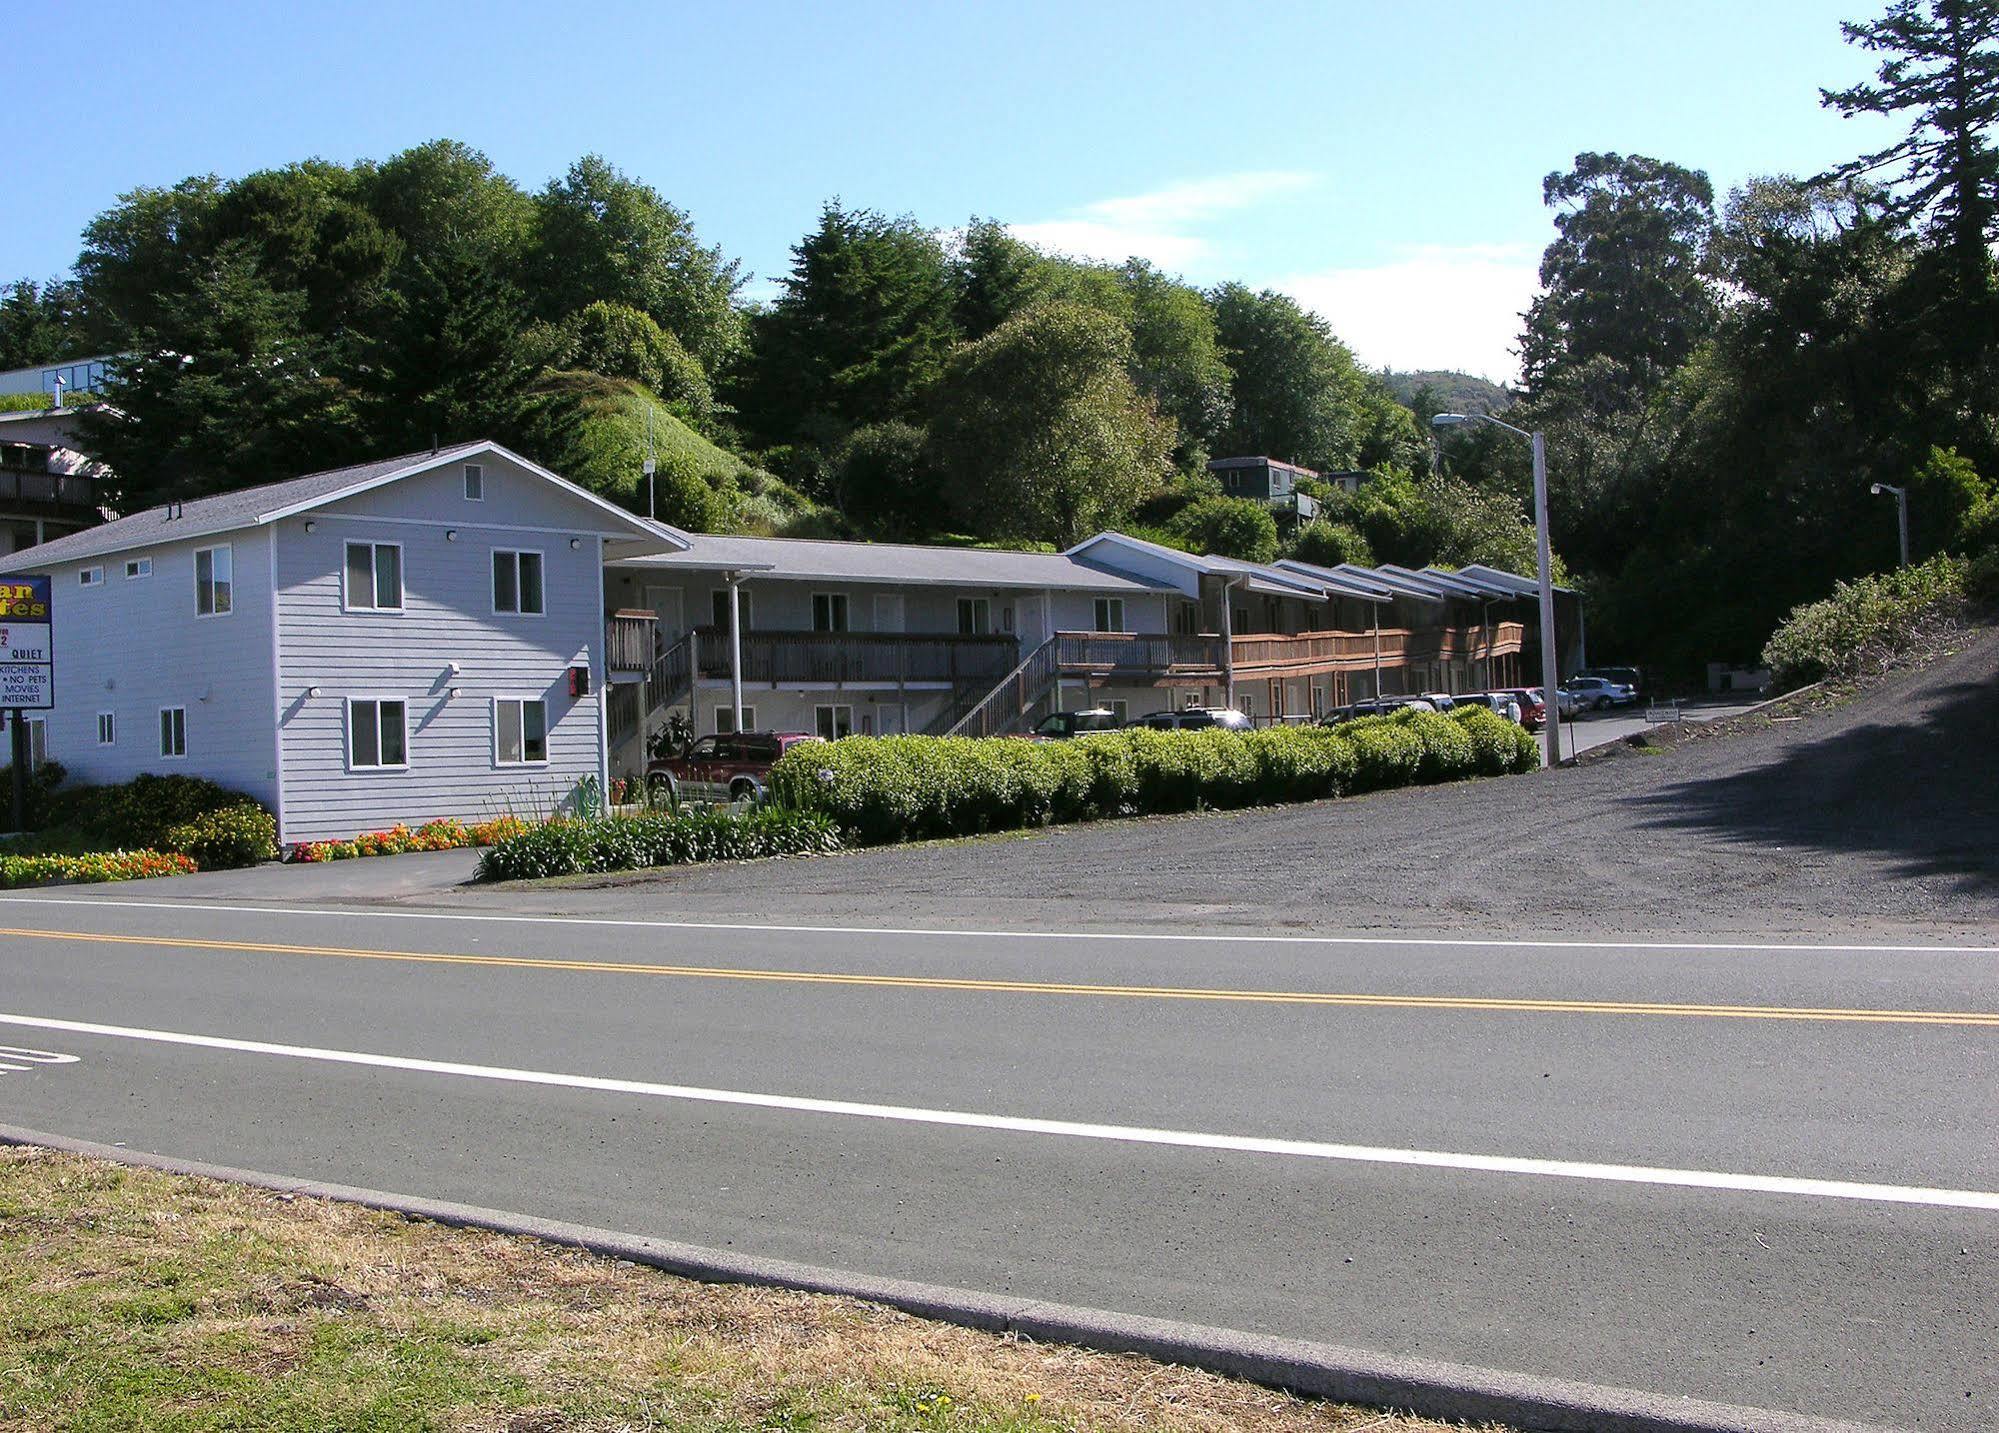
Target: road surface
1758 1175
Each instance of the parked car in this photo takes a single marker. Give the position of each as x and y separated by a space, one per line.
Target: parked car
1193 719
731 766
1059 726
1620 676
1533 711
1566 701
1507 704
1375 706
1599 693
1441 701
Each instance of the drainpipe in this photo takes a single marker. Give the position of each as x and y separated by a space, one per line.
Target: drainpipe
734 580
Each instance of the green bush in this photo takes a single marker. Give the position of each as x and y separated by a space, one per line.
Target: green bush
1981 578
138 813
231 836
655 838
1831 637
906 788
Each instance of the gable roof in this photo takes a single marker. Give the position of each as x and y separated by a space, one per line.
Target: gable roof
221 513
1255 576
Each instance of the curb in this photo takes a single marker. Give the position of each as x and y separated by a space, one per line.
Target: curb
1446 1391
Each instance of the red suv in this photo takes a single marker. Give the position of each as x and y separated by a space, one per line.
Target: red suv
723 767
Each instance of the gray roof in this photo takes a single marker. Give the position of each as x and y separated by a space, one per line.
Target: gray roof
895 563
1258 578
1339 583
1511 581
252 507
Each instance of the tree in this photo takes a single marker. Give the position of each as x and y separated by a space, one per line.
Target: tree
1329 544
1297 393
1622 281
1040 432
602 235
1228 527
619 341
1176 357
40 323
885 478
993 277
1942 71
858 334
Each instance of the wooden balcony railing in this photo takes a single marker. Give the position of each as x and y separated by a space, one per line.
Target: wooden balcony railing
630 640
27 485
858 658
1151 657
1140 656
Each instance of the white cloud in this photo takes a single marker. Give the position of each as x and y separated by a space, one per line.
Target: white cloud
1160 225
1435 306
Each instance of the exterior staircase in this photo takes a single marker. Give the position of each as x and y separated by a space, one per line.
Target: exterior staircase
1015 700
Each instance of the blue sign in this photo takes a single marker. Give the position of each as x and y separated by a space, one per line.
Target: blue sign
27 647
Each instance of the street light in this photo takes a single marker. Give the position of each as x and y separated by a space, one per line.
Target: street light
1901 512
1551 727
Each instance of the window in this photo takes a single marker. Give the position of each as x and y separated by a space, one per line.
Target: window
212 567
173 731
107 729
520 731
718 608
1110 615
90 576
834 722
1122 711
475 483
377 734
139 567
517 582
975 616
1186 619
829 611
725 719
1006 620
374 581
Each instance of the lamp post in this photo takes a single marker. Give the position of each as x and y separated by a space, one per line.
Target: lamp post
1901 513
1551 727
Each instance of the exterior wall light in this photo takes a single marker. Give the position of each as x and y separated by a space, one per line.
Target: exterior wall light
574 543
451 534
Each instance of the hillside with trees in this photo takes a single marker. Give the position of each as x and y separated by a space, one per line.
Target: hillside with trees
1720 377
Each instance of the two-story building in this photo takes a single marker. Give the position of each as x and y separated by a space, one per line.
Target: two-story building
463 633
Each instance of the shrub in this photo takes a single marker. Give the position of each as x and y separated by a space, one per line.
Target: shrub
655 838
444 834
903 788
1831 637
137 814
94 866
231 836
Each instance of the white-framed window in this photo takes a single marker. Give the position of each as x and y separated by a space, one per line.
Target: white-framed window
829 611
725 719
213 590
520 731
834 722
377 734
173 732
517 586
136 567
107 729
1109 614
475 483
718 608
975 616
90 577
372 579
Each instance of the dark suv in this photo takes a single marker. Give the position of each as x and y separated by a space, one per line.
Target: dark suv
1059 726
724 767
1194 719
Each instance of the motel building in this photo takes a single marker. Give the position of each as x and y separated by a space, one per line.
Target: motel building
462 633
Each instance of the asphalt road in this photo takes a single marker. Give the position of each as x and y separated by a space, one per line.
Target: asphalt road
1754 1176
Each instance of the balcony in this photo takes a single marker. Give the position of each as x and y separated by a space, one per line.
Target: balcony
39 493
876 659
1158 659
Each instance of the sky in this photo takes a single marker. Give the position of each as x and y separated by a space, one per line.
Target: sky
1381 162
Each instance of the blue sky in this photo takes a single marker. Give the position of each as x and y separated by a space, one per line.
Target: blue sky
1382 161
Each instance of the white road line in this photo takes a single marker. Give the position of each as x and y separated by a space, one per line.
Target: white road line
949 932
1016 1124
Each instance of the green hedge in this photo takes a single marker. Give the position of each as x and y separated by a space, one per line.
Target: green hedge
1831 637
655 838
137 813
906 788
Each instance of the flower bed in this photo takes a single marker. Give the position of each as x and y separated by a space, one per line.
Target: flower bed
905 788
576 846
96 866
447 834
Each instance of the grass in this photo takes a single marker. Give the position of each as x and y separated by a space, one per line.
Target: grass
132 1299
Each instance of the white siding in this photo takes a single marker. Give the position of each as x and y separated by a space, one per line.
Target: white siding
130 646
447 618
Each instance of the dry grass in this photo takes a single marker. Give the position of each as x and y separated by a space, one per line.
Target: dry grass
130 1298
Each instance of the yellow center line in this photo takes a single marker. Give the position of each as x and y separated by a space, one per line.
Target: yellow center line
1045 987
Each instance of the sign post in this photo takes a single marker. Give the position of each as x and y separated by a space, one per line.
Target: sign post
27 669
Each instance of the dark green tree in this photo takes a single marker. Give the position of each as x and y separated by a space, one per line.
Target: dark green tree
993 277
1623 280
1296 394
1228 527
1040 432
885 478
40 323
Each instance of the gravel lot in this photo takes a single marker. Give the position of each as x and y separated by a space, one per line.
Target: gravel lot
1875 817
